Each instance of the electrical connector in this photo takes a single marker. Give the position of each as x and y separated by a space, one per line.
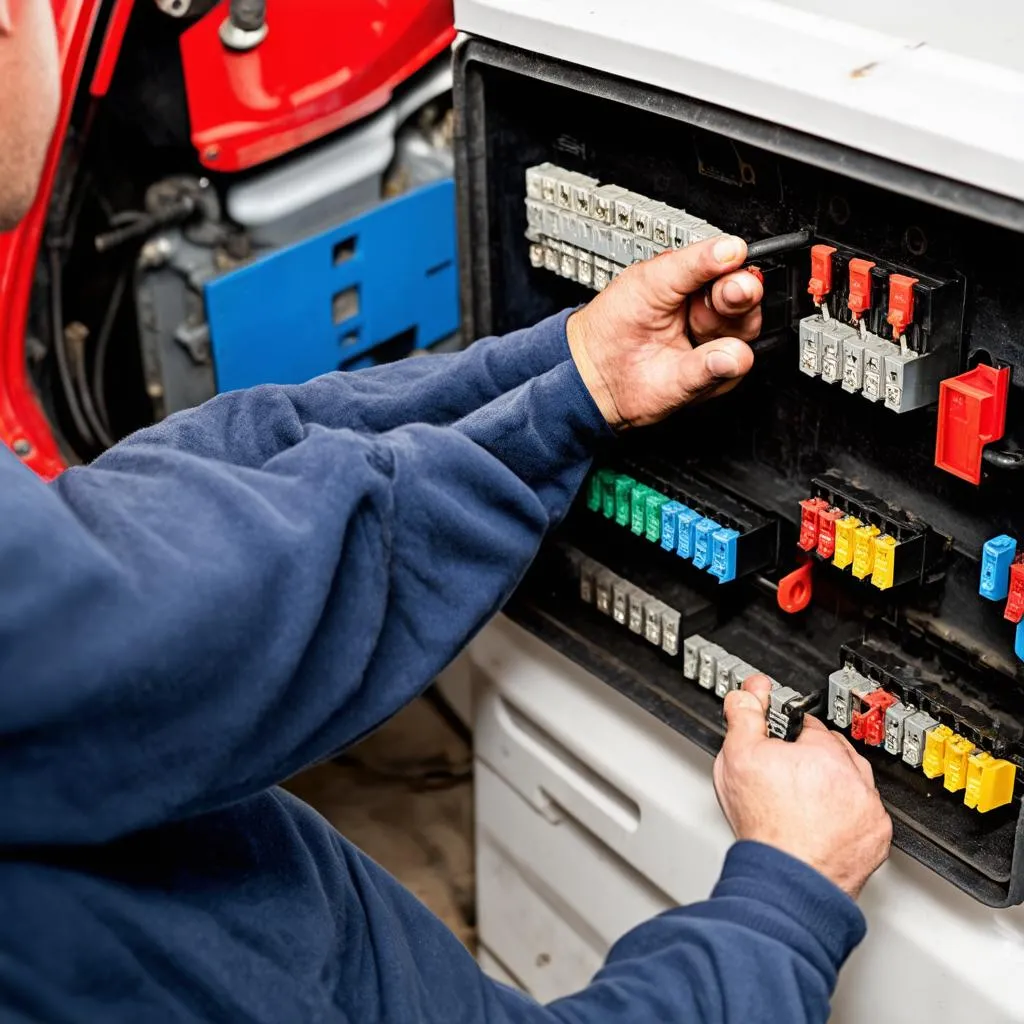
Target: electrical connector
834 335
853 364
884 566
723 554
652 515
896 716
996 559
708 665
846 529
686 532
958 749
972 413
603 591
810 345
1014 610
638 508
652 621
864 550
723 674
786 711
859 301
821 272
989 782
933 764
691 655
621 591
670 512
635 621
916 730
588 570
827 519
810 509
868 723
840 695
901 303
702 542
670 622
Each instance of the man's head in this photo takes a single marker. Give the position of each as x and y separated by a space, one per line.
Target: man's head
29 99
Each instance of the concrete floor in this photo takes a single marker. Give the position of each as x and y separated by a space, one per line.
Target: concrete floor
405 797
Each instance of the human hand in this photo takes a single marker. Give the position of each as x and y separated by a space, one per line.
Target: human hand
814 799
650 342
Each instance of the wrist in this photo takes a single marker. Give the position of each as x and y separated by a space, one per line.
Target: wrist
581 348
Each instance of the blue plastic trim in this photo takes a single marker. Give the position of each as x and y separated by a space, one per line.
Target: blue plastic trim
272 321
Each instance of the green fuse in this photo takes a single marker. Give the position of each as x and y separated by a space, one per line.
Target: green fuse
638 504
623 495
608 494
595 487
653 504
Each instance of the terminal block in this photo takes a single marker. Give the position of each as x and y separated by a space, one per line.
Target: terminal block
854 530
686 518
888 703
786 710
891 337
590 233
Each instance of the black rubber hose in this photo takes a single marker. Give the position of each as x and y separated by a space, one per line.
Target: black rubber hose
248 15
777 243
63 368
81 378
99 359
1003 460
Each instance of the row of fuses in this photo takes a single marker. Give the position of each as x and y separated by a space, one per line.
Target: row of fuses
864 363
591 233
879 719
850 543
677 527
1002 579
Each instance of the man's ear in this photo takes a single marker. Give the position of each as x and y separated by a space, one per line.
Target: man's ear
5 17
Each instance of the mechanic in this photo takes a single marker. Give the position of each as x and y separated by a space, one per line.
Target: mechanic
253 585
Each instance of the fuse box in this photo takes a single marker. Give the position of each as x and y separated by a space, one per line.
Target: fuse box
848 520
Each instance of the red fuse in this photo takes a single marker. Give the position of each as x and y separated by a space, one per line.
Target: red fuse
972 412
860 287
1015 601
827 520
869 725
821 272
809 510
901 303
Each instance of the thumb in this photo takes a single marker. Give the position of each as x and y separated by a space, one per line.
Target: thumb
709 365
744 715
673 275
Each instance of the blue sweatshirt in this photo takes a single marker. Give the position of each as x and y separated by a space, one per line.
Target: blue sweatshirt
246 589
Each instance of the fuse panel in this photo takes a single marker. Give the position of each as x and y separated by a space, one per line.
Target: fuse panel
848 519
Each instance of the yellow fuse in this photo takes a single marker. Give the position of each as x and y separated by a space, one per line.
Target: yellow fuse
989 782
864 550
934 762
958 750
844 541
885 561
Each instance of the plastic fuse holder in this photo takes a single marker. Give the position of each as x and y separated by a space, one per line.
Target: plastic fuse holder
972 412
869 724
996 560
669 521
846 529
1014 610
860 287
901 303
810 508
958 750
827 519
933 763
989 782
820 283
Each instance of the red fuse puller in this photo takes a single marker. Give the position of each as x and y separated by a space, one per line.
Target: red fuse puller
901 303
827 519
821 272
869 725
860 287
809 510
1014 610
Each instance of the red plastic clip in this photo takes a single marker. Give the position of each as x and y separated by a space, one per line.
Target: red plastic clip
827 519
860 287
1014 610
809 509
972 412
757 272
901 303
821 272
795 590
869 725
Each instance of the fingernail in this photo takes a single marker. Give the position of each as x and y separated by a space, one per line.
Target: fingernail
721 364
744 699
728 248
738 290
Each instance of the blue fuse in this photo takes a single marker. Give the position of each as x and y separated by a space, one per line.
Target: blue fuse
996 558
685 532
669 517
1018 643
723 554
702 542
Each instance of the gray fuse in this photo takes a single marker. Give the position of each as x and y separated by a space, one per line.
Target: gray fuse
691 655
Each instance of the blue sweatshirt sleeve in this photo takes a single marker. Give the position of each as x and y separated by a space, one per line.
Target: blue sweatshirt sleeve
178 631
